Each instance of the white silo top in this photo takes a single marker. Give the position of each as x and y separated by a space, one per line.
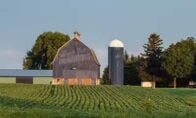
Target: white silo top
116 43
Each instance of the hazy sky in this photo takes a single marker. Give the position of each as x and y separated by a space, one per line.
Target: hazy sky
98 21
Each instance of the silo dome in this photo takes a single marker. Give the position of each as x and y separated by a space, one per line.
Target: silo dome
116 43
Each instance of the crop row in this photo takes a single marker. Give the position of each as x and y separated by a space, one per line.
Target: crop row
88 98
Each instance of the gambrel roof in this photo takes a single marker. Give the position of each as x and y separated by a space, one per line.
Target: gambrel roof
74 39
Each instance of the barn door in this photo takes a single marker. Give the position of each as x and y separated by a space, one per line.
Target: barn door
72 81
24 80
86 81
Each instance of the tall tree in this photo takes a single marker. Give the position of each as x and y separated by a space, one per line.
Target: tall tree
152 55
44 50
127 59
131 70
105 76
179 59
144 76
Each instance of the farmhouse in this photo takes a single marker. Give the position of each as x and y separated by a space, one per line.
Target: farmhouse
25 76
75 63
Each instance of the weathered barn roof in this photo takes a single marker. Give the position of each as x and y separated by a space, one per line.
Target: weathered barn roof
27 73
94 56
67 43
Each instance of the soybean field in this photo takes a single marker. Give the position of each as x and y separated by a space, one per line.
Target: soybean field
34 101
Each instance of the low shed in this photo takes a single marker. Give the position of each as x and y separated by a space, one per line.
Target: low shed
25 76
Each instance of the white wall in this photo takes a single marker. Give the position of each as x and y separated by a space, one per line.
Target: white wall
42 80
8 80
147 84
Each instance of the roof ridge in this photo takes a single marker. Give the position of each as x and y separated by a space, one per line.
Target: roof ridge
91 50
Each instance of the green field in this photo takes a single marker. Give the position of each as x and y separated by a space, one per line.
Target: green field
20 100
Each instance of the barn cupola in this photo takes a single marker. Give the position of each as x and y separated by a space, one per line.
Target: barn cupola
77 35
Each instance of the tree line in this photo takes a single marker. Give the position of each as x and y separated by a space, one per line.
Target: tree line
165 67
176 64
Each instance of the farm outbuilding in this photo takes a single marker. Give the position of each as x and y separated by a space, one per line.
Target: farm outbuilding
25 76
116 62
148 84
76 64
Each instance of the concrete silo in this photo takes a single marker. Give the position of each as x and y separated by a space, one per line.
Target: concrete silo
115 62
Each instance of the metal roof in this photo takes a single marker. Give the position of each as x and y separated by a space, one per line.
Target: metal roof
27 73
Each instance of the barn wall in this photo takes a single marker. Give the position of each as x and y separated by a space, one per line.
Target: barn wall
24 80
82 81
42 80
76 61
8 80
58 81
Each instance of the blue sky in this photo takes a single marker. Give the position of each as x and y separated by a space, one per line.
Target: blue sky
98 21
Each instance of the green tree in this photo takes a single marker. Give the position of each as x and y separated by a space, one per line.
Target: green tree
131 70
105 76
127 59
179 59
44 50
192 45
144 76
152 57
